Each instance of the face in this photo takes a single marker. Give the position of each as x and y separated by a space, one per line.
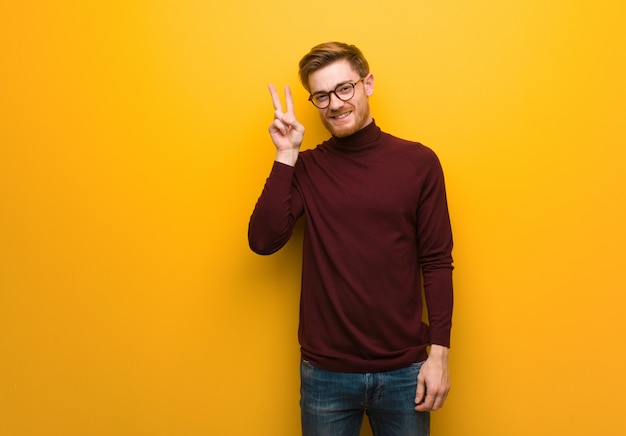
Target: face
343 118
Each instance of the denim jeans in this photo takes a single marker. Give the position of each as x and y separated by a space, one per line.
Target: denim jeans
333 403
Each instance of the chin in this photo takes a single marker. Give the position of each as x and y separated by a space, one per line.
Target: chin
343 132
340 131
358 120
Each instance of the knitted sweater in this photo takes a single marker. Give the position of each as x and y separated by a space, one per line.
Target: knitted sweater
376 217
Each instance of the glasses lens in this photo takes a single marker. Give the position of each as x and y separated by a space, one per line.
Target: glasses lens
345 91
321 100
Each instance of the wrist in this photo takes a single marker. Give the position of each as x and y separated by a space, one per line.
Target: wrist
288 157
439 351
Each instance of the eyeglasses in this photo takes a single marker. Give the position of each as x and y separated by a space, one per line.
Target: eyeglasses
343 91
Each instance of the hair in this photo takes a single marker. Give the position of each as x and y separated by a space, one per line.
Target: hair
325 54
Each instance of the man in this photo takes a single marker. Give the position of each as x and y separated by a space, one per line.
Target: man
377 231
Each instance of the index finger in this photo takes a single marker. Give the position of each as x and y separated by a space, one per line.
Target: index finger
275 98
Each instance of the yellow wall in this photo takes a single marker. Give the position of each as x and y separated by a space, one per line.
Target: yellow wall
133 147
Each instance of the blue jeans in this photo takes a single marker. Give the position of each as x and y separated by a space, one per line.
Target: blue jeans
333 403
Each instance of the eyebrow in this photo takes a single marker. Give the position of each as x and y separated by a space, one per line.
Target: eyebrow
336 86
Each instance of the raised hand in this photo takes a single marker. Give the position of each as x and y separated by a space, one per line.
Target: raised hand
286 132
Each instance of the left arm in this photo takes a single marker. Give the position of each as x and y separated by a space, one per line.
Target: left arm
435 245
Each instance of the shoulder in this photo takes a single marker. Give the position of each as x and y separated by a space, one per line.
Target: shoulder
313 154
415 152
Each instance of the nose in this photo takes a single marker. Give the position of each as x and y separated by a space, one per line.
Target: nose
335 102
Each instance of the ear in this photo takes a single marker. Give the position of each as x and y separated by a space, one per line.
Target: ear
368 82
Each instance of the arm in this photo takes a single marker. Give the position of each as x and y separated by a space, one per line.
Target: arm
276 212
435 243
279 205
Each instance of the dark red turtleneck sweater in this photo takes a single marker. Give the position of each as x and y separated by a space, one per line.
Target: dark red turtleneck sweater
376 215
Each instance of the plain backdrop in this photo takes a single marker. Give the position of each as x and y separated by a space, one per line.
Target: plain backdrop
133 147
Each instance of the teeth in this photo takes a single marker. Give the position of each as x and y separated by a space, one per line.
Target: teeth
342 115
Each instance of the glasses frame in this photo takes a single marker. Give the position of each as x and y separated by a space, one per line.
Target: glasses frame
353 84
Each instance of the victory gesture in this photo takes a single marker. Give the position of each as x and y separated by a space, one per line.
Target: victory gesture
286 131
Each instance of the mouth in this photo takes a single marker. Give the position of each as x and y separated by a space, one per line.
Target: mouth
340 116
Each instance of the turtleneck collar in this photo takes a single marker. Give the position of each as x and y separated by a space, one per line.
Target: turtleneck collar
359 142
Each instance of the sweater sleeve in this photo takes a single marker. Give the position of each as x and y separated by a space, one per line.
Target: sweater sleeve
435 253
276 212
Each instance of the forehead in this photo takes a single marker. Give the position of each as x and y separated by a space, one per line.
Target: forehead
328 77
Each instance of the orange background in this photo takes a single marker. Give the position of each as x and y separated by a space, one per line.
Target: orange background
133 146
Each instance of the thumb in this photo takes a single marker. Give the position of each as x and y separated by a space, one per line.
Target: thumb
420 394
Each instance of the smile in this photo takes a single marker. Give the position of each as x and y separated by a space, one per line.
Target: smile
341 116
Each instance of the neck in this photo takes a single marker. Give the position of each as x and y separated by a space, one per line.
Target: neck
360 141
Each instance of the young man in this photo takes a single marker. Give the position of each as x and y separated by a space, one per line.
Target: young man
377 232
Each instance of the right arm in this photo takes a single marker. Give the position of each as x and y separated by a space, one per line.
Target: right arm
279 205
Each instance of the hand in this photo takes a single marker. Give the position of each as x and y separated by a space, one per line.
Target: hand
433 381
286 132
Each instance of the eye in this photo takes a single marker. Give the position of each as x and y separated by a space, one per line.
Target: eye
344 89
321 98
